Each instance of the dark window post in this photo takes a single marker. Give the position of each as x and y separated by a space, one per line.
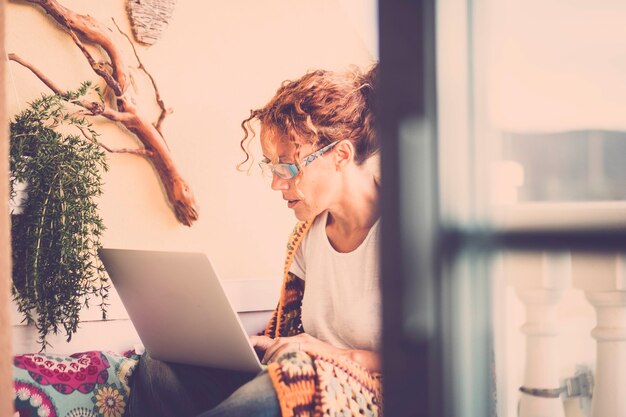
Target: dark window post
407 124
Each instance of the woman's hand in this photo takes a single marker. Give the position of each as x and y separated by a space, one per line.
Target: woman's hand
274 348
261 343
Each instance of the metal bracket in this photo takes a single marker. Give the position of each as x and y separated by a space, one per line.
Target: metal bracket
543 392
579 386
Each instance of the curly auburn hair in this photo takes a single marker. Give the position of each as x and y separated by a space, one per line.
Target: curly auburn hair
319 108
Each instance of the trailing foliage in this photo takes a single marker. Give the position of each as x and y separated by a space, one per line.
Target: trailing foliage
56 230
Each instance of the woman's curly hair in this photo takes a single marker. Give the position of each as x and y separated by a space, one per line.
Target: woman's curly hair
319 108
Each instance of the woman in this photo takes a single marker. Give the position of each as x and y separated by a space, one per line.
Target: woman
321 345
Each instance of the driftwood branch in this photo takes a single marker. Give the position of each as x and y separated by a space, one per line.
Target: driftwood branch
100 68
164 110
138 151
42 77
90 30
95 108
84 28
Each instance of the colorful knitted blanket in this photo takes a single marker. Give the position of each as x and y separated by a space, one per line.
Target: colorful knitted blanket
309 384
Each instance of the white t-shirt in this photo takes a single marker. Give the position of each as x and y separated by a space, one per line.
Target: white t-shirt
341 303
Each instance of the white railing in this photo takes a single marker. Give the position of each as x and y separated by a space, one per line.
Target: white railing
603 279
540 281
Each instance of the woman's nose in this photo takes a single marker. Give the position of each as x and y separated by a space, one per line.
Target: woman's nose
279 183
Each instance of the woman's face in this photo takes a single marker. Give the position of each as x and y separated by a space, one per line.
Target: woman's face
316 189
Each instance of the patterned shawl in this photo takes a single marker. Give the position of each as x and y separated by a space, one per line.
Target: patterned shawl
309 384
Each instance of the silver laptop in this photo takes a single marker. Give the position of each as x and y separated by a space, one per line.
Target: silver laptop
179 308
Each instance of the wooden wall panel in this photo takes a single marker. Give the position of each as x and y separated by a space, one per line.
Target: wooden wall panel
6 389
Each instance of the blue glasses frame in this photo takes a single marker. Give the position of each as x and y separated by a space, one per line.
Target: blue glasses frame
288 171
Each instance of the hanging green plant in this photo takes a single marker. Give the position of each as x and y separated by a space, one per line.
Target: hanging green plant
56 229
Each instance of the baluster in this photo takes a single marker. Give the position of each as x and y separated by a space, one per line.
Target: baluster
603 278
540 280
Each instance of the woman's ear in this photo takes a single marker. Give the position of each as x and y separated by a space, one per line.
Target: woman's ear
344 154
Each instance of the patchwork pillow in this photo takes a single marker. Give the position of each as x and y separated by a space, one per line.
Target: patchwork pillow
88 384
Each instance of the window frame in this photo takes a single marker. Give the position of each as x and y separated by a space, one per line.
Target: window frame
422 376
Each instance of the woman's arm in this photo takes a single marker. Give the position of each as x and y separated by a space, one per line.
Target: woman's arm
274 348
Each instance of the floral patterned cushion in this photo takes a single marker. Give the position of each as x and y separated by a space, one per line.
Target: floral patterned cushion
88 384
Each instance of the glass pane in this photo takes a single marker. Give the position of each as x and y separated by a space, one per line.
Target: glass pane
553 98
532 98
531 106
583 165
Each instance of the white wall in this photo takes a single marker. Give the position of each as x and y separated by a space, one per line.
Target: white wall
215 62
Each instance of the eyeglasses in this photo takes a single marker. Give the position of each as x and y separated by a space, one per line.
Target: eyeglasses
288 171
